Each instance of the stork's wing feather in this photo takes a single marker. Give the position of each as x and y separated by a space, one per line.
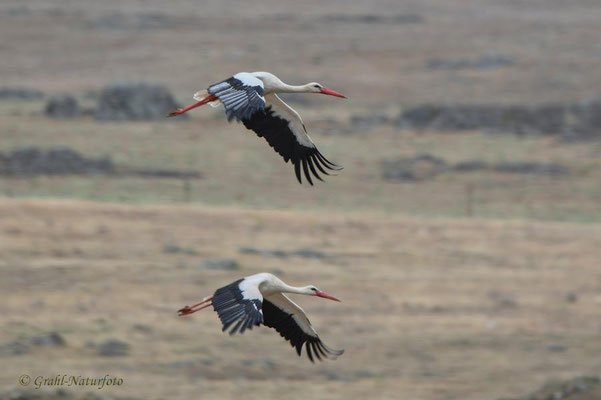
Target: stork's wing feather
284 130
241 95
286 317
239 303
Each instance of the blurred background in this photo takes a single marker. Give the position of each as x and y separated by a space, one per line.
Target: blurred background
463 235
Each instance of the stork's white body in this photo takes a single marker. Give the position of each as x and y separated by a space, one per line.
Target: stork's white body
260 299
250 97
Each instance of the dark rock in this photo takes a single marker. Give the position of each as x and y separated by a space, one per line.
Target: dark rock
62 106
132 22
58 394
189 363
426 166
580 121
420 167
370 121
585 121
171 248
18 11
513 167
263 252
546 119
11 93
23 394
335 376
406 19
142 328
305 253
556 348
166 173
579 388
174 249
530 167
265 362
503 300
471 165
65 161
422 117
228 264
14 348
249 250
55 161
308 253
484 62
571 297
53 339
365 373
134 101
375 19
113 348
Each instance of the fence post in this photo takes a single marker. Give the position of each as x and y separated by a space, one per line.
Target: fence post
469 199
187 190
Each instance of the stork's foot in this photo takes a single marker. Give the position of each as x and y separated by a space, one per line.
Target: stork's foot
206 302
184 311
176 112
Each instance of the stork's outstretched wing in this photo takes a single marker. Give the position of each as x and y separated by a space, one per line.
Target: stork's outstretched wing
241 95
286 317
284 130
240 303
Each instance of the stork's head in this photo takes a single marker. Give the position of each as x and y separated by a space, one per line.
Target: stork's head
313 291
315 87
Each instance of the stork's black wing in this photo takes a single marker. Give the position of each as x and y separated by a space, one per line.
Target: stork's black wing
280 313
284 130
238 303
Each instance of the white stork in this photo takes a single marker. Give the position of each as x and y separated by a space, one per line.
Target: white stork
252 99
260 299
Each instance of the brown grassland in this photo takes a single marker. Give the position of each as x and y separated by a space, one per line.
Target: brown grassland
439 308
445 294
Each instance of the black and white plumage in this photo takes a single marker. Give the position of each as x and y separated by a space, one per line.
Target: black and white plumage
241 96
259 299
251 98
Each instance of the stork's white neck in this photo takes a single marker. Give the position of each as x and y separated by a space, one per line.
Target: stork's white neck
294 289
274 284
273 84
285 88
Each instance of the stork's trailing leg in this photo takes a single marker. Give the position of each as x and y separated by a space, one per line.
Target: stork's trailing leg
207 301
206 100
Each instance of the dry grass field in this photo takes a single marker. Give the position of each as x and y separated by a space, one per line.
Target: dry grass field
473 286
68 45
440 309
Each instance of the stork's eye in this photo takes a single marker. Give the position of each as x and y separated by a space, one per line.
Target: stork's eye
317 86
314 289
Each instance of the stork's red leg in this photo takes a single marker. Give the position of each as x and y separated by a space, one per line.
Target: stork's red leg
195 307
206 100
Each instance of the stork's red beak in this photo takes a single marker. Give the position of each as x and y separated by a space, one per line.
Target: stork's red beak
331 92
319 293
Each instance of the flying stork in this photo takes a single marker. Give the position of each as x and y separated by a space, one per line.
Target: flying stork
252 99
260 299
